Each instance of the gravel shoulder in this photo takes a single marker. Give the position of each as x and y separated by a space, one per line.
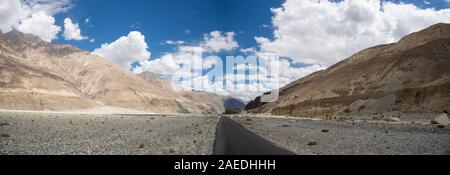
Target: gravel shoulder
336 138
25 133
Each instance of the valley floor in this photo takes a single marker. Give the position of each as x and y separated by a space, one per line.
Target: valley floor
337 138
69 133
38 133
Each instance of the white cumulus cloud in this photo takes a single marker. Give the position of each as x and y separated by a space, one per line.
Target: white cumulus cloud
40 24
217 41
49 6
11 13
172 42
167 64
72 31
171 64
125 50
324 32
23 14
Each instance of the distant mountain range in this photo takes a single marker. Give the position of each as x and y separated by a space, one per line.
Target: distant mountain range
412 75
36 75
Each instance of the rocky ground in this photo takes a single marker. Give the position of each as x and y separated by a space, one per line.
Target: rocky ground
333 137
136 134
38 133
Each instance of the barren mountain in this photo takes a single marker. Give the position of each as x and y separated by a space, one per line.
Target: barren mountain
36 75
216 102
412 75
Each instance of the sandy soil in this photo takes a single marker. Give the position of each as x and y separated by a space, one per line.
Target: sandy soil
56 133
332 137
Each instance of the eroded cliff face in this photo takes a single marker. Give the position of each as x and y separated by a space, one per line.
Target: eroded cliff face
412 75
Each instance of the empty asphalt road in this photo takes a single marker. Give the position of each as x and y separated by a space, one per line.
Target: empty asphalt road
234 139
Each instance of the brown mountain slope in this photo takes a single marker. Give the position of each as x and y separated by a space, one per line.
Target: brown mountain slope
58 77
412 75
24 86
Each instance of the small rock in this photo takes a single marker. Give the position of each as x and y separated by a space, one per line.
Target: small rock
4 135
325 130
441 120
141 145
312 143
392 119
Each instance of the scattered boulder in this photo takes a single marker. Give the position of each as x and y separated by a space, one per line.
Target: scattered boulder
392 119
285 126
312 143
441 120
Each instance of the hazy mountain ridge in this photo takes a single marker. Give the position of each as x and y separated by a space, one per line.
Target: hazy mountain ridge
36 75
214 101
411 75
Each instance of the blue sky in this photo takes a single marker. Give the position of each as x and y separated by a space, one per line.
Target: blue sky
161 20
307 35
190 20
185 20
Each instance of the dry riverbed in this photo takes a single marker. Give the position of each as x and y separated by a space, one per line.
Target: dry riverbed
333 137
39 133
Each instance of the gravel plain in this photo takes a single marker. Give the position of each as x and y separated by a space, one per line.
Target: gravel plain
23 133
26 133
355 138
